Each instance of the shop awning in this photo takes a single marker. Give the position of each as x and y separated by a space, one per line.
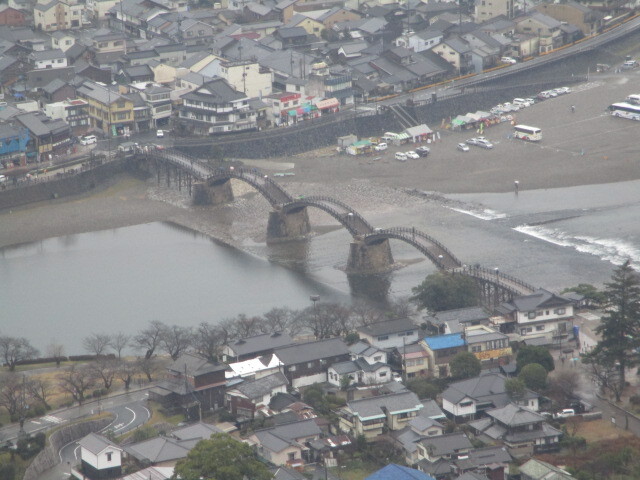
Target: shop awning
328 103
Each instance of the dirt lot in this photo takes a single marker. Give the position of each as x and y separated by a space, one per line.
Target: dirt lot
585 147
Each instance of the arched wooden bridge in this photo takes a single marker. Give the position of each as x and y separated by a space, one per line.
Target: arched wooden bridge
495 286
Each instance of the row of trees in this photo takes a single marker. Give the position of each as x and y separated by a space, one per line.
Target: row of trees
323 320
23 396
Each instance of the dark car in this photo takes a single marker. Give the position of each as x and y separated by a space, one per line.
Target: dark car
423 151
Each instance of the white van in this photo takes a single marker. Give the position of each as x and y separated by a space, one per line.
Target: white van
88 140
523 102
401 156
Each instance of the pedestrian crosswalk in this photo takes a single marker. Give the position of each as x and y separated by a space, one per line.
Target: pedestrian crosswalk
52 419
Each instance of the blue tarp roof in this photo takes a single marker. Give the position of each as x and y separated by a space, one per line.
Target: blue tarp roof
445 341
397 472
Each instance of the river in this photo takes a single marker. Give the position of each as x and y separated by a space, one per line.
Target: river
63 289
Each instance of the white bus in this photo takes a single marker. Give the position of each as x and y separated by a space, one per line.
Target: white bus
525 132
634 99
625 110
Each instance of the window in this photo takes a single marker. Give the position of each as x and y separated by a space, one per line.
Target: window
123 116
292 456
310 364
109 456
524 331
547 312
377 358
466 404
292 368
539 328
560 311
476 348
531 315
383 374
383 337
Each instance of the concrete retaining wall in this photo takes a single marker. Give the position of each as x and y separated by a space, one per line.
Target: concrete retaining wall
65 186
310 135
48 458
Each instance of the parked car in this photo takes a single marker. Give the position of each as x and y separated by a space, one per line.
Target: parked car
565 413
629 64
159 134
423 151
3 179
396 377
484 143
88 140
510 60
401 156
412 155
523 102
462 147
380 147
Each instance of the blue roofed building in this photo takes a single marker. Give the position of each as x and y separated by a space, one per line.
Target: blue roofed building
13 144
397 472
440 351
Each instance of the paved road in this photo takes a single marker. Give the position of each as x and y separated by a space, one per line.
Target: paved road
61 416
127 418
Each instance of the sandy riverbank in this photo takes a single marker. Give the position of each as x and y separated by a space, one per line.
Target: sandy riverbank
584 148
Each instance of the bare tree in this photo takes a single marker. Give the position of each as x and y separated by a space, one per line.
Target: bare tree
208 341
227 329
364 314
41 390
97 343
16 349
56 351
339 317
149 338
176 340
103 369
12 394
606 374
119 341
401 308
562 386
248 326
149 366
125 371
279 319
76 381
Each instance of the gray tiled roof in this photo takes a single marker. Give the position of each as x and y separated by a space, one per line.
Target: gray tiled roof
54 85
541 298
484 456
197 430
447 444
431 409
95 443
387 328
258 343
262 386
307 352
161 449
48 54
487 388
462 315
395 402
278 438
537 469
195 365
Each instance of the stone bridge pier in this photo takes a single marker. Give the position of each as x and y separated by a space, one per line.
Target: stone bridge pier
284 226
215 193
369 259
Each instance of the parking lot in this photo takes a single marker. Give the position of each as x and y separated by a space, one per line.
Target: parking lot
585 146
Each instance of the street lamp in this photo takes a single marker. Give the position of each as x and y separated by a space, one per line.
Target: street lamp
497 272
314 299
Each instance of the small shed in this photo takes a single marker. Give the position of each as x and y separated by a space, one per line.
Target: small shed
344 142
360 147
419 133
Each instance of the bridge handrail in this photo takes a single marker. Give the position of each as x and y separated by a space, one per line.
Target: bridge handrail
411 230
326 198
489 273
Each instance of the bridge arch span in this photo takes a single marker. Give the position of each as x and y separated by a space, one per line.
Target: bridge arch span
355 223
425 244
272 191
